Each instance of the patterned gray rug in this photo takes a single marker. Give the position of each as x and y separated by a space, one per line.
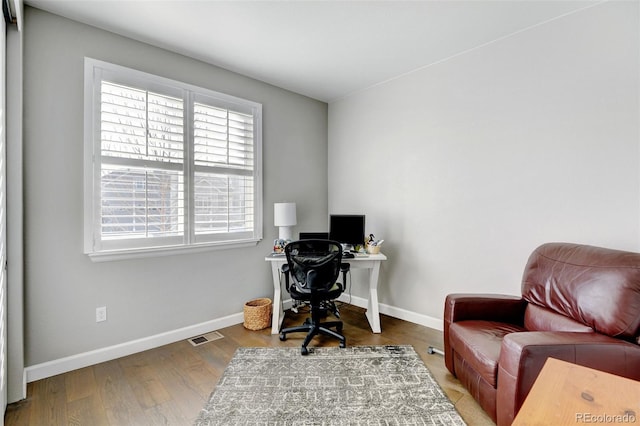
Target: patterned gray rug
359 385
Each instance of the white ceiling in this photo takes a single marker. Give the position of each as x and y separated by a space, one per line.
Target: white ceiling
322 49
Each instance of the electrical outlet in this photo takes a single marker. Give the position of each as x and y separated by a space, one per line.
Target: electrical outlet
101 314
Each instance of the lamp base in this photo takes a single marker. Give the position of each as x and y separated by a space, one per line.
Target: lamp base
285 233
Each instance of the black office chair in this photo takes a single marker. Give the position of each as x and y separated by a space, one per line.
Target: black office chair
312 268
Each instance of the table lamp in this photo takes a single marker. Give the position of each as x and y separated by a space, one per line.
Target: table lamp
284 216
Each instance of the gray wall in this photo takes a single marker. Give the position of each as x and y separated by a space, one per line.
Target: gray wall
465 166
150 296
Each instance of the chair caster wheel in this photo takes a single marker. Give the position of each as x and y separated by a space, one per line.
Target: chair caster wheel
343 345
283 337
304 351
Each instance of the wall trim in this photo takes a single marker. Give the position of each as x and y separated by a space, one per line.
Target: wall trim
420 319
74 362
394 312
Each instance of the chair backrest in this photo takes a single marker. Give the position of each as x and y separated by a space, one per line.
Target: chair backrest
314 264
594 286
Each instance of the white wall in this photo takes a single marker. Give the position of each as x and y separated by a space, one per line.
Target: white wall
151 296
15 249
465 166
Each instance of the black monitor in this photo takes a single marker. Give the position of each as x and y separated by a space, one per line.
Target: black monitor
347 229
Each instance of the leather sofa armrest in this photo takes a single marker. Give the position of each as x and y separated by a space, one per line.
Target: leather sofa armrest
523 355
489 307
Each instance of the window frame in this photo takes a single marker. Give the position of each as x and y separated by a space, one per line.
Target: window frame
95 71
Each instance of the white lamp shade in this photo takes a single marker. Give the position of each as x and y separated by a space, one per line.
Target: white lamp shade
284 214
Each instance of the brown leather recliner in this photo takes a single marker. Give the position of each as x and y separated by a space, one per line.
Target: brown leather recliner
579 303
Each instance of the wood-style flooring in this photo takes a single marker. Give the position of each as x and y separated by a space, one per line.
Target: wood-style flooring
169 385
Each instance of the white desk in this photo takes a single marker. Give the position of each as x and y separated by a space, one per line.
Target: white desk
371 262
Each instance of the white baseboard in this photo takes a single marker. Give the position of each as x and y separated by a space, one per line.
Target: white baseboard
74 362
392 311
413 317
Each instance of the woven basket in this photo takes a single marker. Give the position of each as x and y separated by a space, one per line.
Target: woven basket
257 314
373 249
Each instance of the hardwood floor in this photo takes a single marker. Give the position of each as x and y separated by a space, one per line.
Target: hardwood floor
169 385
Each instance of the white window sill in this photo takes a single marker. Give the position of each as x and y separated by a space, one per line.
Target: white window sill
141 253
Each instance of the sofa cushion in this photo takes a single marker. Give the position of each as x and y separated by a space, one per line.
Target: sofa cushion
537 318
595 286
478 342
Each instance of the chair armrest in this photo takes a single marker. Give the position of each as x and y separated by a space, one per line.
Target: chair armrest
285 272
344 268
523 355
489 307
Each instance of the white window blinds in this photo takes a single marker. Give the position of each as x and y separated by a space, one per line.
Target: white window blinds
224 164
170 165
142 163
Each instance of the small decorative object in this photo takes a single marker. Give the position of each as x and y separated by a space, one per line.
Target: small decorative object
257 314
373 245
373 249
278 245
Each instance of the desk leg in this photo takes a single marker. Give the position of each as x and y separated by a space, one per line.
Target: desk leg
373 312
278 311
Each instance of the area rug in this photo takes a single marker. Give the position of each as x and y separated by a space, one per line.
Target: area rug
359 385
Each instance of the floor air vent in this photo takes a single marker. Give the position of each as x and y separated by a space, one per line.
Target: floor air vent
209 337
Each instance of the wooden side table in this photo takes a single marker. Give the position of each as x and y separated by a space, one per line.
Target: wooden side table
570 394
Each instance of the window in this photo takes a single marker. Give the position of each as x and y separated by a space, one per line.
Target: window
168 165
